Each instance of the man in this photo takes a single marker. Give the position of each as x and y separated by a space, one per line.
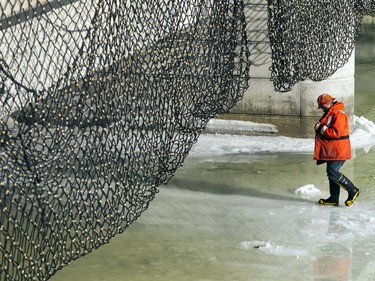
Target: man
332 146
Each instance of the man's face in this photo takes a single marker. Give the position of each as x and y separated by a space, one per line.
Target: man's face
326 106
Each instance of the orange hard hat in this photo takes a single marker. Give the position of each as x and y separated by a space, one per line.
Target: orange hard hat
323 99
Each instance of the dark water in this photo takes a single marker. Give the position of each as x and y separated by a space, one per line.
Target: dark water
365 73
236 218
364 163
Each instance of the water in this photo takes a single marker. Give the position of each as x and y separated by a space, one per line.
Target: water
236 217
365 73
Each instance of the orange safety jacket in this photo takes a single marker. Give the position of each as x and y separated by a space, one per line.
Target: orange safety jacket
332 137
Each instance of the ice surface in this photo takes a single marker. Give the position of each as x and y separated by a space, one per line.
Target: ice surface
271 249
245 208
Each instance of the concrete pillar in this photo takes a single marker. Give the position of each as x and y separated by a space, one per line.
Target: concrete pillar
294 112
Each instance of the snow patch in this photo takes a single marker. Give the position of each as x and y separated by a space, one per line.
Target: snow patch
364 124
363 135
263 142
307 190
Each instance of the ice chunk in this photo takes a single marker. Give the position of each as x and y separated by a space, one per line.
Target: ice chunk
307 190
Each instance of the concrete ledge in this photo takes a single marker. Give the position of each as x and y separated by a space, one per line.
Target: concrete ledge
236 127
290 126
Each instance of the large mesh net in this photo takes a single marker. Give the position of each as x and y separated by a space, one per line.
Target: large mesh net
312 39
101 102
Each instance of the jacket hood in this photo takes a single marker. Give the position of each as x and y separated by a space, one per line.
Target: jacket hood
337 106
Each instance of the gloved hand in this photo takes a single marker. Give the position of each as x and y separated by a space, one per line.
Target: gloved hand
317 125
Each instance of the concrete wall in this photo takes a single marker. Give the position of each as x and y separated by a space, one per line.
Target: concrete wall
368 20
294 112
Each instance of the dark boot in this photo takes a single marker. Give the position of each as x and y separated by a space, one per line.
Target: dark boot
353 192
334 190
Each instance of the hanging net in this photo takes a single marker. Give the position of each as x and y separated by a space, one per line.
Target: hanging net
312 39
101 102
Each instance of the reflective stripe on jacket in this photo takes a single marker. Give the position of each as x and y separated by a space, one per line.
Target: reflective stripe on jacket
332 138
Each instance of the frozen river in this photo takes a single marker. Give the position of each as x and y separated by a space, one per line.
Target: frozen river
237 216
245 208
